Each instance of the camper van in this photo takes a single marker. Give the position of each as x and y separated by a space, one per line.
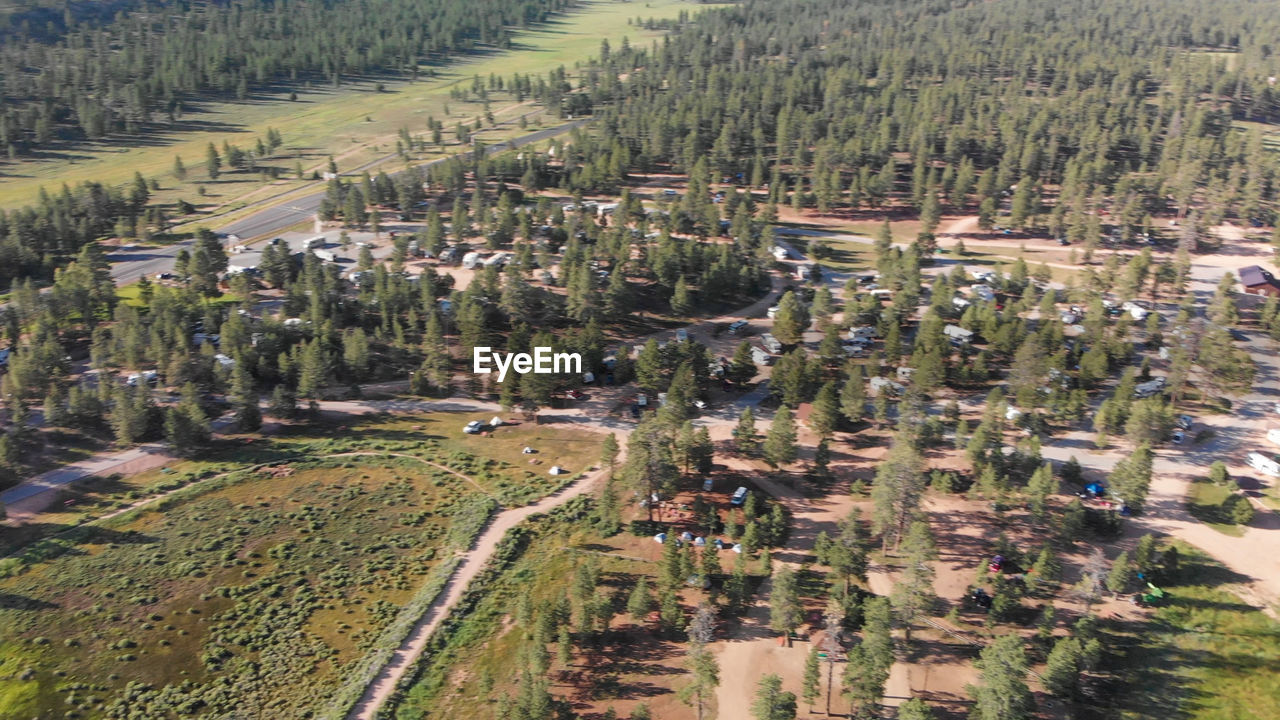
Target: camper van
1135 310
313 243
1149 388
771 343
738 328
739 497
1264 464
326 255
470 260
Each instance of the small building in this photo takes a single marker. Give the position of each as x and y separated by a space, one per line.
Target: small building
1258 281
955 332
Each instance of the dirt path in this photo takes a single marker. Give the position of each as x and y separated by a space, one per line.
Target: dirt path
473 561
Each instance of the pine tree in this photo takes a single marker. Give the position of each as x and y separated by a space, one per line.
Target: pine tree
771 702
744 435
785 610
609 452
705 672
742 367
913 593
1062 669
791 320
1002 692
1121 575
640 601
212 162
780 442
810 684
915 709
185 425
179 170
607 513
825 412
681 299
853 395
245 398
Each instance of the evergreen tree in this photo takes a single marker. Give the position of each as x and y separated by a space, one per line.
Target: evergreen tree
780 443
825 411
785 610
853 395
185 425
744 435
1002 692
771 702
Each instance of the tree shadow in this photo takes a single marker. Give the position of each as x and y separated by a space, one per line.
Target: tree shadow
12 601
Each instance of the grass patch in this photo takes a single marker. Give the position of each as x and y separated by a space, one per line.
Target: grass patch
354 123
131 295
1208 503
1205 655
302 571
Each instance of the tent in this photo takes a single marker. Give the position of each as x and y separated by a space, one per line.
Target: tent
660 538
1096 489
495 421
699 541
556 470
686 536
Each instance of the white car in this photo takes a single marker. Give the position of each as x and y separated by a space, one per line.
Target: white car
473 427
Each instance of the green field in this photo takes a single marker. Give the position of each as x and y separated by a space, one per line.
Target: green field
276 582
354 123
293 575
1204 655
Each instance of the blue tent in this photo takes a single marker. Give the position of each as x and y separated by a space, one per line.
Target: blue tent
1096 489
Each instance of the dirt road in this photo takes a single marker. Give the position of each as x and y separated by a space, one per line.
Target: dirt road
473 561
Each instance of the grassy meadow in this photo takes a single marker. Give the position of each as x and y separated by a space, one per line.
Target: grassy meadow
355 123
275 567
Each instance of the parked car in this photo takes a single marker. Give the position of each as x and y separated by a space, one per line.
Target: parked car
473 428
1185 421
1178 437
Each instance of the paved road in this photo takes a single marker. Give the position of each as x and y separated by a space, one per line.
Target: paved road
130 265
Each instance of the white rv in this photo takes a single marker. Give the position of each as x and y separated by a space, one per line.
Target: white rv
470 260
1264 464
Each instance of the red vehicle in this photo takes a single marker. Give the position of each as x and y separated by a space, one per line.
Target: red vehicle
574 395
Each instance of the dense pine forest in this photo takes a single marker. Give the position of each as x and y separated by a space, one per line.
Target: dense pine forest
1132 108
85 74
